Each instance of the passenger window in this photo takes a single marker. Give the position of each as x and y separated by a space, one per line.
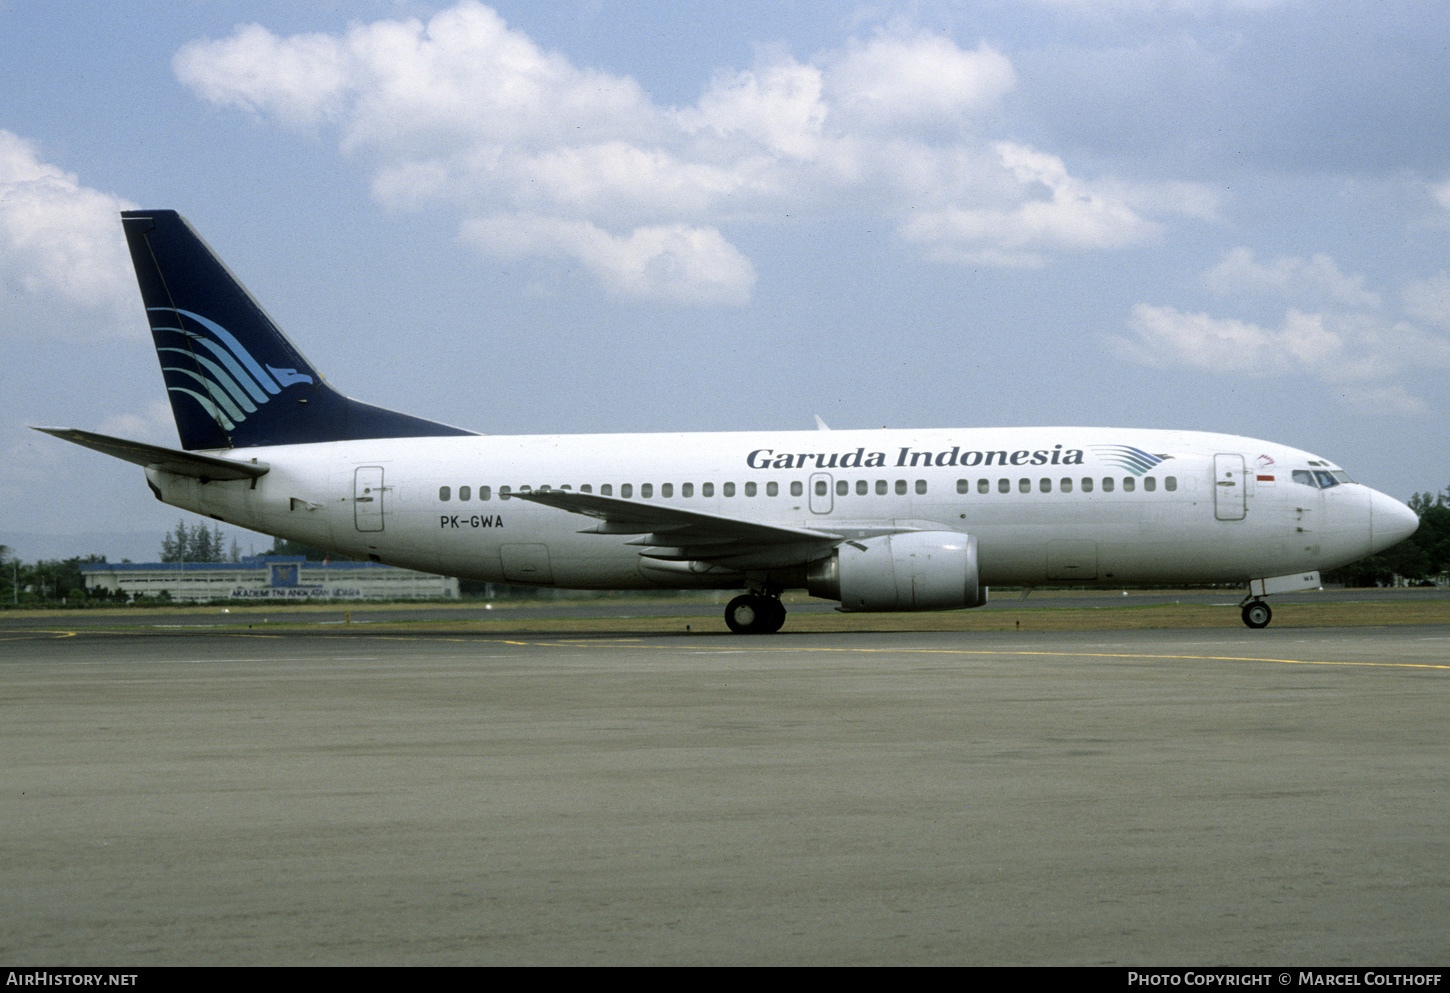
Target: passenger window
707 489
1107 484
728 490
750 489
1024 486
687 490
1065 484
862 487
443 493
585 488
843 488
464 492
607 489
921 487
484 493
901 487
881 487
646 490
983 486
1087 484
963 486
503 492
1004 486
1044 485
796 489
821 487
1127 484
626 490
1170 483
1150 484
772 489
667 489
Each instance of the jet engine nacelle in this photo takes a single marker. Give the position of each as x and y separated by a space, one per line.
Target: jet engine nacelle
921 570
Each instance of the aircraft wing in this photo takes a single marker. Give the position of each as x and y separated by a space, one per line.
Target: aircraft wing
207 468
672 533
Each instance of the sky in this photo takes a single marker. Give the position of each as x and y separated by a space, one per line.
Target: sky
629 215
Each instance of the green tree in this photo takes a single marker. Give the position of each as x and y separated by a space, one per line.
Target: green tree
197 543
56 580
202 547
176 545
9 571
284 547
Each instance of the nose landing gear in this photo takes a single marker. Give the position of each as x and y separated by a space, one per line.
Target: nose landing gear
755 613
1256 614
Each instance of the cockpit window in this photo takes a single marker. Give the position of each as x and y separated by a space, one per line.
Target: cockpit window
1320 479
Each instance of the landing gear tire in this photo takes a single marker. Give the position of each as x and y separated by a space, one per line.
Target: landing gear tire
753 613
1257 614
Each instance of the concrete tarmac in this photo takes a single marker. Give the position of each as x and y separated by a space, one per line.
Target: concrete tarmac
516 609
337 797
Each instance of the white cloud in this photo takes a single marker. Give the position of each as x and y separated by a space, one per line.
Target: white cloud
1193 8
156 425
1441 194
921 79
1428 300
463 110
1359 355
668 262
300 79
413 89
777 107
64 268
1065 213
1381 400
1317 277
1336 331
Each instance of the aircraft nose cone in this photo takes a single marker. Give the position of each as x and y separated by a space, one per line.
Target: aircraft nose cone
1390 521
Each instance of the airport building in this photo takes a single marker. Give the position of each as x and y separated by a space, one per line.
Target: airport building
267 577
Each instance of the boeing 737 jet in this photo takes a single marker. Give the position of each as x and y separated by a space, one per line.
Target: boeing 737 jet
888 520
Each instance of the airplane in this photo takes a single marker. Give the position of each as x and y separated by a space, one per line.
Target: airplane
878 520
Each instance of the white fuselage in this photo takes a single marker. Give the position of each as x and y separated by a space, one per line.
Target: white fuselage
1046 505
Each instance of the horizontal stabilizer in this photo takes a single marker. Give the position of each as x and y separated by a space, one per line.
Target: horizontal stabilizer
204 467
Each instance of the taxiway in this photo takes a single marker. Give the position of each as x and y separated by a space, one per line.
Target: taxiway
336 796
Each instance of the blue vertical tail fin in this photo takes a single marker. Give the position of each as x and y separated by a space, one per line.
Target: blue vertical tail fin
233 378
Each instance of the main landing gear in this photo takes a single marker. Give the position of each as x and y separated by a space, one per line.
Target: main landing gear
1256 614
755 613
